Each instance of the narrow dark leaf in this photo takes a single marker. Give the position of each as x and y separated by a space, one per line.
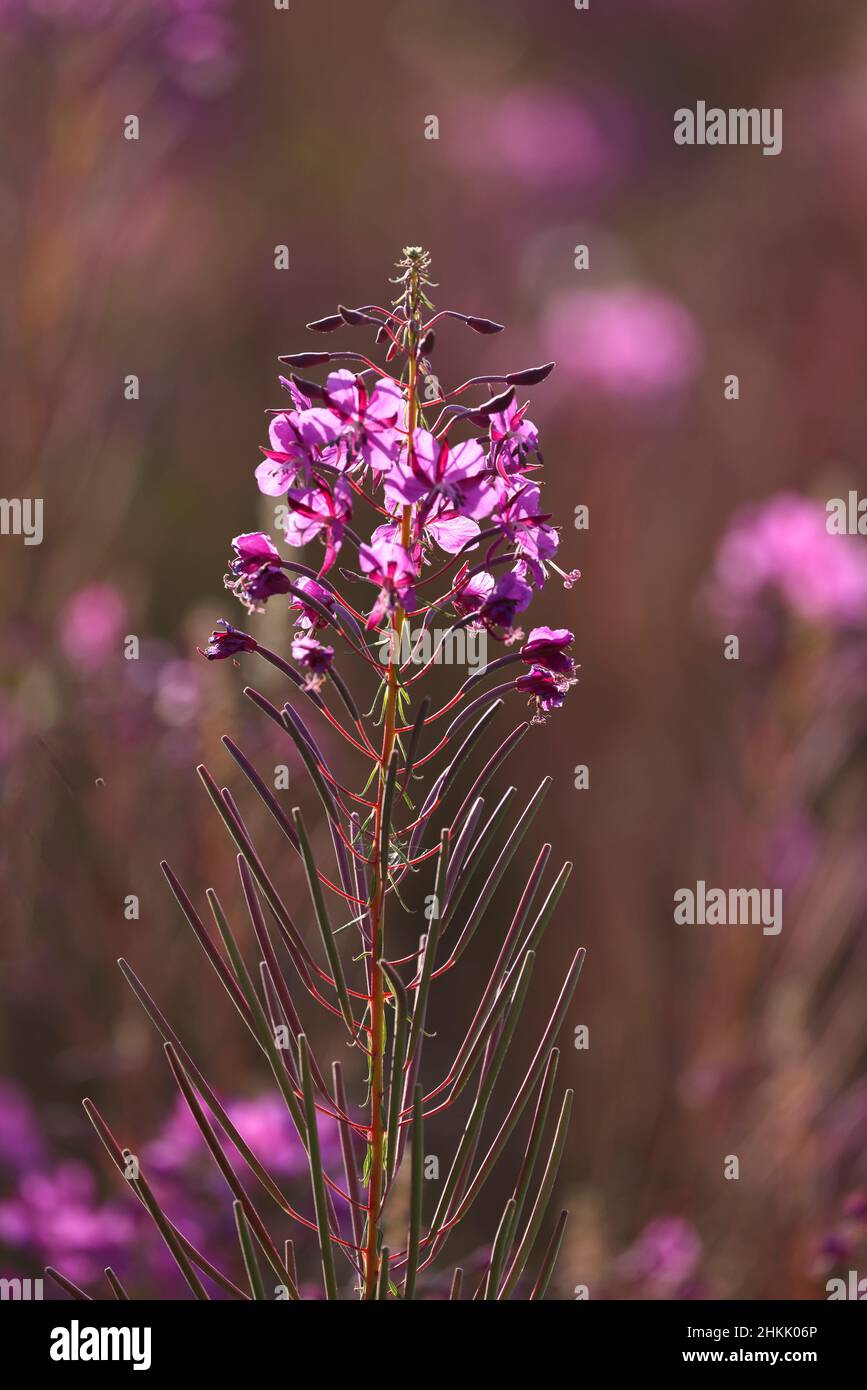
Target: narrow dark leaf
324 923
67 1285
167 1231
116 1153
537 1131
116 1286
549 1259
540 1206
227 1171
502 1241
480 1105
503 861
527 1085
260 1021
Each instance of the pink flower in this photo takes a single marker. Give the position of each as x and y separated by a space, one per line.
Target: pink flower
509 596
520 515
299 440
308 617
255 571
513 438
368 418
389 565
441 479
322 508
547 647
548 690
473 593
314 657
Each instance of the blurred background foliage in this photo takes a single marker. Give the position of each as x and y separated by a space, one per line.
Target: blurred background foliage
156 257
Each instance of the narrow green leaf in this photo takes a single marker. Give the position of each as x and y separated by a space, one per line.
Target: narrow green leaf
324 924
537 1130
385 818
229 1175
116 1154
419 1012
473 1125
398 1055
549 1259
317 1176
382 1284
416 1194
501 1245
254 1274
262 1026
537 1215
167 1231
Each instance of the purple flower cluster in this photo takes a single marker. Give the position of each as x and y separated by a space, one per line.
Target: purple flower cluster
367 442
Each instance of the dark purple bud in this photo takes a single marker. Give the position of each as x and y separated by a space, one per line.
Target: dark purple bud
354 317
305 359
531 376
483 325
326 325
497 403
310 388
426 346
381 335
228 643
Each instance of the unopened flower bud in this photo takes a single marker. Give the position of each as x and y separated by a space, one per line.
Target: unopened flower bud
326 325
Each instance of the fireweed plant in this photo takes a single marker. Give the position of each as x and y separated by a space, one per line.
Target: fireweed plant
458 533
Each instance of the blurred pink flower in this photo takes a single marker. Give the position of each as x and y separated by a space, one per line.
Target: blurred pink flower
263 1121
630 340
664 1259
544 138
90 626
58 1215
20 1141
783 546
